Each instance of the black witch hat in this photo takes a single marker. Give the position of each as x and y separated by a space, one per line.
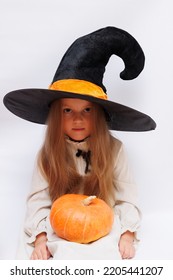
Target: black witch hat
80 75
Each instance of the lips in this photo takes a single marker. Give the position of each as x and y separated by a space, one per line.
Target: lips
78 129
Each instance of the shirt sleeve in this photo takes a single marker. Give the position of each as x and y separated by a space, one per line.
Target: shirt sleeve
126 206
38 206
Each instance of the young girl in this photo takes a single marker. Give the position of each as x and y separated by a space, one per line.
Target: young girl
79 154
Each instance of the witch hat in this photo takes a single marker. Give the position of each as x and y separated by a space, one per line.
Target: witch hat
80 75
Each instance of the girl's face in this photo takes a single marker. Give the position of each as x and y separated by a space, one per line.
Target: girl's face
77 118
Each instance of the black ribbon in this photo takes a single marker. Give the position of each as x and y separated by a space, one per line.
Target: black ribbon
86 156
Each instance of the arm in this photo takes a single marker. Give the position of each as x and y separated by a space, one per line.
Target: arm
126 206
38 209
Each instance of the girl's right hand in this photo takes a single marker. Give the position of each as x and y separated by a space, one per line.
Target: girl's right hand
40 251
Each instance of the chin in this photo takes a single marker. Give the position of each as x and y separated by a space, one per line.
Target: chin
78 138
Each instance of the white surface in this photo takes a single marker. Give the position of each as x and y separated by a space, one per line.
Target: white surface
34 36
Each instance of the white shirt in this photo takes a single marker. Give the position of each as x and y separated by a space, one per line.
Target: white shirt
126 208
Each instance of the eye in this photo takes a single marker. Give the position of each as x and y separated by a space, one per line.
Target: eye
67 110
87 110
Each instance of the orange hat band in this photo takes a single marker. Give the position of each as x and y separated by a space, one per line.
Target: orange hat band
79 87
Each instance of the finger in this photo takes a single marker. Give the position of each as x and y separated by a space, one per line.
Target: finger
37 255
44 255
48 254
125 256
132 252
125 253
129 253
33 256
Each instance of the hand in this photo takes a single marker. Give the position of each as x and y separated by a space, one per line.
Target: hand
126 246
40 251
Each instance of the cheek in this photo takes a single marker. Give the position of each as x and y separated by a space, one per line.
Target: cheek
65 125
90 124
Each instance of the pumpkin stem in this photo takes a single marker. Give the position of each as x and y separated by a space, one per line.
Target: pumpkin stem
88 200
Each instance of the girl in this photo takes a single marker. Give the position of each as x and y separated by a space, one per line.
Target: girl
79 154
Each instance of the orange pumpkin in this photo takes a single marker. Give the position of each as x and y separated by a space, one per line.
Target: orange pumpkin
81 218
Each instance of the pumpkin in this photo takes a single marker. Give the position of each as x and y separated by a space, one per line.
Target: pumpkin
80 218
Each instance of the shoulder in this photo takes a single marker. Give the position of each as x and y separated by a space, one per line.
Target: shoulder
118 144
119 150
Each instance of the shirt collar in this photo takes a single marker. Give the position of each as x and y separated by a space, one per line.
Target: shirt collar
83 145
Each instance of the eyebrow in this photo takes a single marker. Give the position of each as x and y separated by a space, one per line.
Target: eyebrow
67 105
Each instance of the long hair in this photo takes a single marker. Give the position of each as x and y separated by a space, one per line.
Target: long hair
57 165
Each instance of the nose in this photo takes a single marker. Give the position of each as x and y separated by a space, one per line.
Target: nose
77 117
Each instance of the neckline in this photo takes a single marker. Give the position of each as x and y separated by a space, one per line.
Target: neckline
76 141
83 145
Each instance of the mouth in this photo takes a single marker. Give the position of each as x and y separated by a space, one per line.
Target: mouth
78 129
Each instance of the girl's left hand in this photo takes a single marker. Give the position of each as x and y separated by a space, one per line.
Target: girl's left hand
126 246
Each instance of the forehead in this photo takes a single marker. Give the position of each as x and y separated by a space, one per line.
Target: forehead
73 102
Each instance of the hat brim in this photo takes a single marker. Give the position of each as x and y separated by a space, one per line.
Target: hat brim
34 105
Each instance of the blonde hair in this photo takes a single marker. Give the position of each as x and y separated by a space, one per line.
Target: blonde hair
57 165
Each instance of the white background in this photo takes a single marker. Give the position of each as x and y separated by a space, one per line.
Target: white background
34 35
